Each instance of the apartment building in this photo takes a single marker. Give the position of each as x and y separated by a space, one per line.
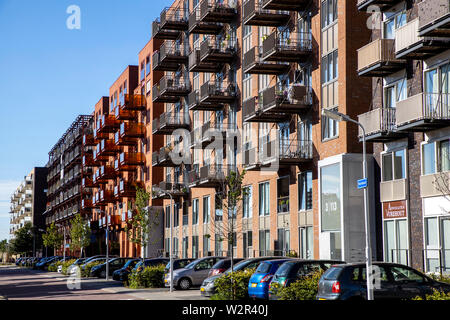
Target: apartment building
247 81
408 59
28 201
65 176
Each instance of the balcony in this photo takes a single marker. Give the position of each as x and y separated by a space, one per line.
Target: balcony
379 125
133 102
88 183
289 5
377 59
170 89
107 124
103 174
108 148
175 189
89 140
87 204
204 136
216 50
277 103
294 47
253 64
129 161
285 152
123 114
88 161
218 11
174 18
363 5
127 189
98 136
249 160
210 176
132 130
255 15
423 112
170 56
434 18
169 122
98 156
162 158
197 25
409 45
196 65
195 103
218 92
105 197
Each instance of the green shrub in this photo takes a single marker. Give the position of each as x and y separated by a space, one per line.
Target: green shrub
87 268
150 277
233 286
53 267
303 289
439 277
66 265
436 295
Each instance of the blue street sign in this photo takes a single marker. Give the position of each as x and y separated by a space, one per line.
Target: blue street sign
106 234
362 183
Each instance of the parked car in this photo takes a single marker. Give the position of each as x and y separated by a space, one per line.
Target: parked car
87 261
258 286
193 274
222 265
114 264
208 287
122 274
177 264
44 265
40 262
18 261
77 263
396 281
150 263
291 271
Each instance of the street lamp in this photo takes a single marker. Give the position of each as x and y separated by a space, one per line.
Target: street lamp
157 189
337 116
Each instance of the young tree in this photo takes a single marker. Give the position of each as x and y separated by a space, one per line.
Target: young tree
80 234
143 222
23 241
52 238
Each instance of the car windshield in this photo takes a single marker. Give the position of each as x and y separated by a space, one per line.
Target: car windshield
284 269
130 263
263 267
332 273
191 265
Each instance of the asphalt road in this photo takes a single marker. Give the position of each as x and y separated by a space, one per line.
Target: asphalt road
25 284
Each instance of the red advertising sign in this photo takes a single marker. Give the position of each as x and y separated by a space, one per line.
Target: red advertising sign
395 209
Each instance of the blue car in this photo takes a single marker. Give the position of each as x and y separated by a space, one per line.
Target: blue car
258 286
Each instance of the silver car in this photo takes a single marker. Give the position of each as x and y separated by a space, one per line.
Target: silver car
193 274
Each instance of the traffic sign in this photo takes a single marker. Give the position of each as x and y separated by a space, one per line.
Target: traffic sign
362 183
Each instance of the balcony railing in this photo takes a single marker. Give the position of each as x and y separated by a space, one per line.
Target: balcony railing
377 59
291 5
202 136
379 125
129 161
98 155
136 102
408 43
434 18
171 89
217 92
88 139
292 47
197 25
127 189
107 148
255 15
174 18
210 176
175 189
170 56
285 152
163 157
196 65
169 121
107 123
132 130
124 114
254 64
103 174
224 11
163 33
217 50
363 5
424 111
196 104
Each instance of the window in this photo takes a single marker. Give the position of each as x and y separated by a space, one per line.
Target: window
218 244
247 202
142 71
305 190
283 242
329 12
147 65
264 200
185 246
394 93
264 243
403 275
246 86
392 23
175 215
185 214
206 209
194 247
246 38
218 207
396 241
394 165
247 239
283 195
428 159
167 217
195 211
206 245
330 127
306 242
330 67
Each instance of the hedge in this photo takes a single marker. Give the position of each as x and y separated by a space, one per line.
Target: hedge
233 286
303 289
150 277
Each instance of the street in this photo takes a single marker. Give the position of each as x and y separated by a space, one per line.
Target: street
26 284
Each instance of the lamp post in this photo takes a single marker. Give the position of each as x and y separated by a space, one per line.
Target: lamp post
157 189
337 116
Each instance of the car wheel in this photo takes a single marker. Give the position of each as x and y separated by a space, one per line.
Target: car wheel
184 284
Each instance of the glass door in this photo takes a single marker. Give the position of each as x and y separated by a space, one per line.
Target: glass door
284 138
445 244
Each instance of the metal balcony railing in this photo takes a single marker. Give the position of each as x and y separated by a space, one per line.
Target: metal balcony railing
255 15
287 47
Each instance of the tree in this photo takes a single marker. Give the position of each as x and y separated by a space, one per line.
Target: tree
143 222
4 246
80 234
52 238
23 240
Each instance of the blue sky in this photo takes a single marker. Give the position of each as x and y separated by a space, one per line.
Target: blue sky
49 74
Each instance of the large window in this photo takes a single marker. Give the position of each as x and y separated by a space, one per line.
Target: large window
247 239
283 242
305 190
264 199
195 211
283 195
247 202
206 209
306 235
264 243
394 165
195 247
330 127
396 241
394 93
329 12
439 150
330 67
392 22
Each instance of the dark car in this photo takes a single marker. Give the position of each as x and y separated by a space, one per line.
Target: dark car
150 263
177 264
18 260
222 266
44 265
114 264
208 287
258 285
122 273
394 281
293 270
